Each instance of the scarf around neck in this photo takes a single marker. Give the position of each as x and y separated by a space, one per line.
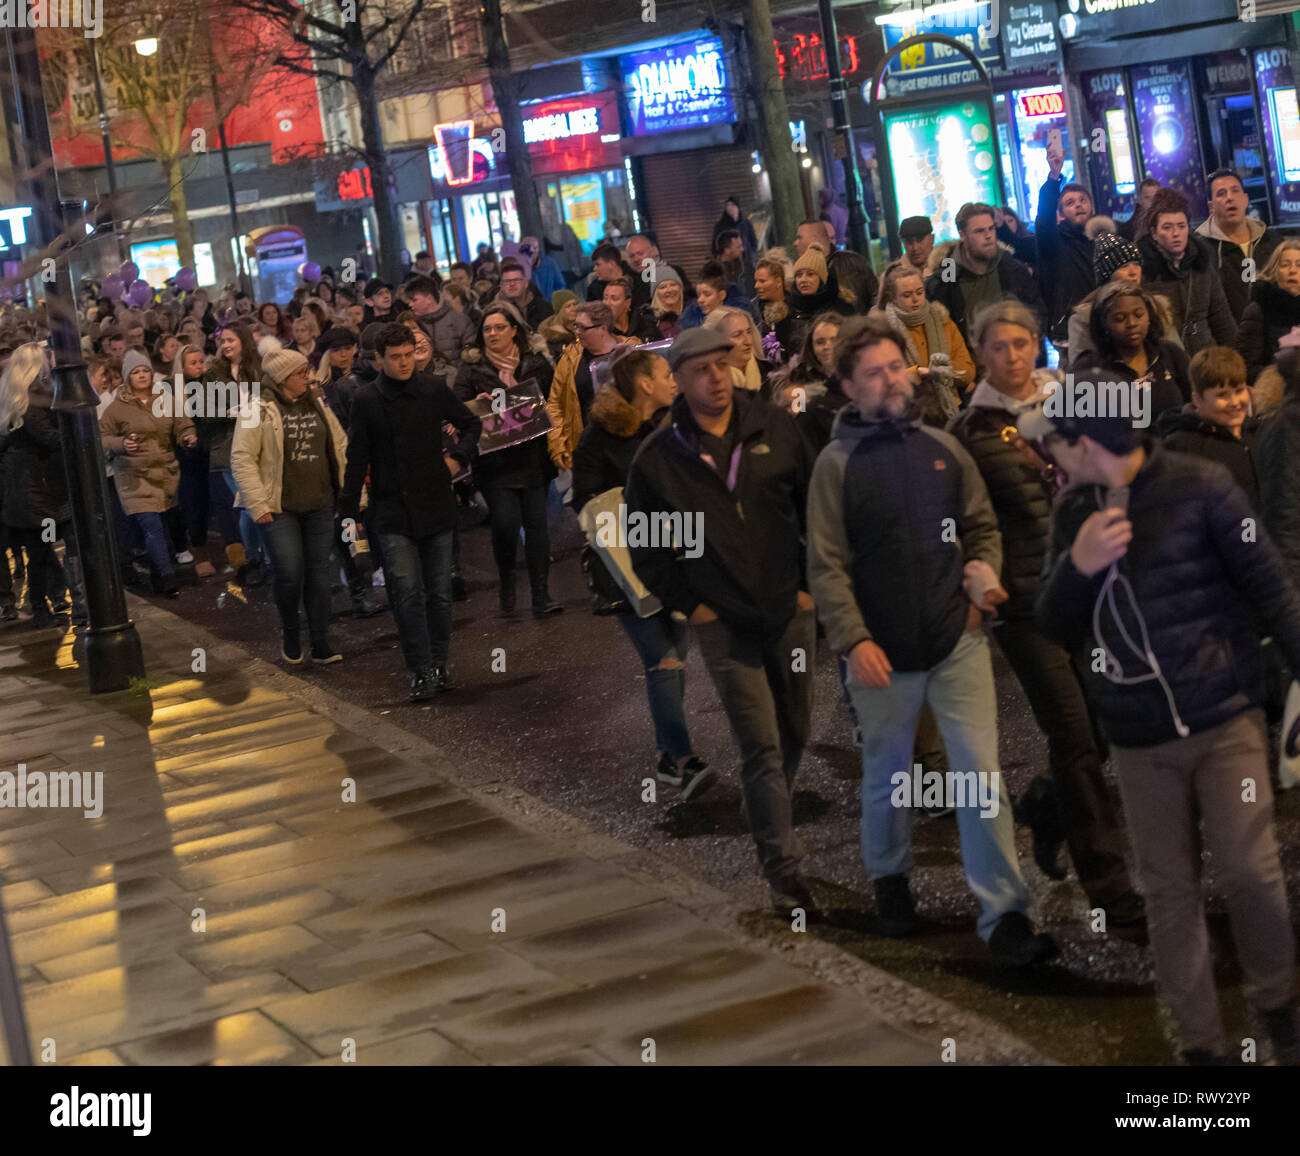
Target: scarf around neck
927 318
505 363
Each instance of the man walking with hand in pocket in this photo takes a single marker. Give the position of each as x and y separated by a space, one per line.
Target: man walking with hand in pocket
903 558
739 468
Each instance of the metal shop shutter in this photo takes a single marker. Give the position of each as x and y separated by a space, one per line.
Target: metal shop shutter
684 193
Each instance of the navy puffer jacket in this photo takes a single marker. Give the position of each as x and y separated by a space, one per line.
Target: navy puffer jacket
1201 567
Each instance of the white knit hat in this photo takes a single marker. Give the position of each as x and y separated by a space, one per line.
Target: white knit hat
280 364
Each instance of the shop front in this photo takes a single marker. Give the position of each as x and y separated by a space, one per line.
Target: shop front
947 146
1172 99
681 113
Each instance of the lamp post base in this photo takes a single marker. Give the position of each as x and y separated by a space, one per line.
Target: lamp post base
114 657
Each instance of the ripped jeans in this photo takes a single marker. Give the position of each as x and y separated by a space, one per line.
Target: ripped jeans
657 639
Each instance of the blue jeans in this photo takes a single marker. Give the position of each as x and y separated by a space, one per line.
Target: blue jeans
960 692
249 530
657 638
300 547
157 542
417 575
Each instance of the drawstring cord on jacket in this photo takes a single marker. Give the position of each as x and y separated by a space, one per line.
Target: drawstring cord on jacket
1144 652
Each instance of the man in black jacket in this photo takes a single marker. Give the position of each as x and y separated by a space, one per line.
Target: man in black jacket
735 471
903 559
396 436
1064 265
1155 575
978 271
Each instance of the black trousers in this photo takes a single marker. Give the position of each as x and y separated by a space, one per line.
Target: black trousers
513 507
1091 824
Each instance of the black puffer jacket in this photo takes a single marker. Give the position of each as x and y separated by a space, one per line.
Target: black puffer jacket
1270 316
1188 433
751 568
1171 385
35 486
1202 316
1198 585
1021 499
521 466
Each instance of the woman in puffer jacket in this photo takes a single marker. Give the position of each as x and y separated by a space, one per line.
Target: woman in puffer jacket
623 414
140 430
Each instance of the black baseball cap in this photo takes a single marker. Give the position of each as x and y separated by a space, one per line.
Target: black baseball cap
914 228
1115 433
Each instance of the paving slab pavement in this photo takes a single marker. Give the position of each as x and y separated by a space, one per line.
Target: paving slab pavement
278 877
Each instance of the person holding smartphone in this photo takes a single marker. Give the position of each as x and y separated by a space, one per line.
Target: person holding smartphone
1152 582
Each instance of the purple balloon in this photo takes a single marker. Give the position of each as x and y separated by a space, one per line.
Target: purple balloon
112 286
139 295
310 271
187 280
130 271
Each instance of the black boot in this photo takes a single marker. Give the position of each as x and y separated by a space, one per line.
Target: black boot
895 912
508 589
544 604
1038 811
459 593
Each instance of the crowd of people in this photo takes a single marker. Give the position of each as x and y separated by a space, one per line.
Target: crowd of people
871 459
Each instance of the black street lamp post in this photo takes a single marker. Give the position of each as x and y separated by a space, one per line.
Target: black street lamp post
843 128
108 150
113 652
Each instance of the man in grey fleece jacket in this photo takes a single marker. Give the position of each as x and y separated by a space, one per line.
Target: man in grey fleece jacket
903 561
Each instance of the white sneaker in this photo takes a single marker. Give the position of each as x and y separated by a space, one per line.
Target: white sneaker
184 558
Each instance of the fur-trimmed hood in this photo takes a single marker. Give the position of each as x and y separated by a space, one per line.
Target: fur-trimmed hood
616 417
1095 226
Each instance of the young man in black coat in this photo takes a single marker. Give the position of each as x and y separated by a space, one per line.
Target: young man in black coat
395 436
1156 575
1064 265
731 475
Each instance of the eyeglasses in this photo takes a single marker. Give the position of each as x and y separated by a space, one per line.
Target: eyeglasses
587 328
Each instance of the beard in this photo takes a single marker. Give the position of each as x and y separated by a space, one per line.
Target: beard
890 406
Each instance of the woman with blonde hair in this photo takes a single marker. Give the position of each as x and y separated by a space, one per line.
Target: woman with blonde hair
35 486
749 368
1274 309
934 343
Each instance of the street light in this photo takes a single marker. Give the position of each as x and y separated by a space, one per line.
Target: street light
147 45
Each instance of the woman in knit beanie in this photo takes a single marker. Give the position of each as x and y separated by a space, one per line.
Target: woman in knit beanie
140 431
1113 259
289 467
814 291
560 329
